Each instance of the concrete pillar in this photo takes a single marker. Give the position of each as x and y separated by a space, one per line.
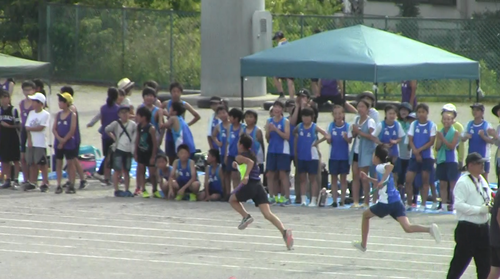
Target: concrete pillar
226 36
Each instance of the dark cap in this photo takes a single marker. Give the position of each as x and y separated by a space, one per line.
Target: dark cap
278 103
477 106
474 157
215 99
304 93
406 105
4 93
495 109
367 94
278 35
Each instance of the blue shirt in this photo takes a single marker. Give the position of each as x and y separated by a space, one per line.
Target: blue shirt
277 144
387 133
222 137
234 138
422 134
183 175
476 143
388 193
339 147
166 175
305 140
184 136
214 179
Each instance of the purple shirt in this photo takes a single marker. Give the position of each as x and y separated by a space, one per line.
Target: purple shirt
329 87
108 115
63 128
406 93
24 112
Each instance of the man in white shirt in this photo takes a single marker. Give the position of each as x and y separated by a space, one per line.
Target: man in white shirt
36 145
472 198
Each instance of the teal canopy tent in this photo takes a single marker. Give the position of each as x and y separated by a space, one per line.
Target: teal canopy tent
359 53
11 66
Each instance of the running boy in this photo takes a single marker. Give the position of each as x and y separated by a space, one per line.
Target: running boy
184 178
180 129
219 136
146 147
64 128
213 178
9 141
235 131
257 136
306 140
164 171
36 146
389 202
447 140
477 133
251 188
122 131
278 153
421 137
25 106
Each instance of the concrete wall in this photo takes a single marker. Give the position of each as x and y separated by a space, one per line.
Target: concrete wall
463 9
226 36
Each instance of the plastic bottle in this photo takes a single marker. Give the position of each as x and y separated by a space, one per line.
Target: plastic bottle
323 195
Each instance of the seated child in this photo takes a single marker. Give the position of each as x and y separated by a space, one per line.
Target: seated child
164 171
213 178
184 179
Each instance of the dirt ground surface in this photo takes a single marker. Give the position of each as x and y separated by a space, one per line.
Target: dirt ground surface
94 235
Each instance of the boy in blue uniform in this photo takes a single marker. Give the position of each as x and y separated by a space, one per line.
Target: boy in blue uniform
278 152
257 136
235 131
251 188
389 202
220 138
213 178
179 128
306 140
421 137
164 171
149 98
184 178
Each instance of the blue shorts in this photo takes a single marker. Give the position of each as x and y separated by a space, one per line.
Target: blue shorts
447 171
278 162
487 167
170 148
336 167
229 164
418 167
395 209
308 166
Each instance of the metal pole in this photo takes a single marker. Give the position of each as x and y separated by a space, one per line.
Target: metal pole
77 34
242 89
124 35
49 47
171 46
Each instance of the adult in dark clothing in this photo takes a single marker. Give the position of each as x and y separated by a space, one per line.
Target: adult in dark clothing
303 100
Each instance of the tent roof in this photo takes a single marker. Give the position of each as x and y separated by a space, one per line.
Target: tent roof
359 53
11 66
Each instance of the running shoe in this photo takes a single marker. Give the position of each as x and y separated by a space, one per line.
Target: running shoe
334 204
192 197
44 188
59 190
66 184
245 222
286 202
157 194
129 194
145 194
357 245
137 192
83 184
303 203
178 197
312 205
288 238
272 200
30 186
435 233
71 189
355 205
280 200
434 206
106 182
119 194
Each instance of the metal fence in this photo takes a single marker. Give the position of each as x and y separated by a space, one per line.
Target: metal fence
104 45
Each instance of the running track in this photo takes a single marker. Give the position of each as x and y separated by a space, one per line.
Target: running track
93 235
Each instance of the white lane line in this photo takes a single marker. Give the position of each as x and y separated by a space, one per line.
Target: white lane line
253 268
413 238
196 232
294 253
219 257
289 224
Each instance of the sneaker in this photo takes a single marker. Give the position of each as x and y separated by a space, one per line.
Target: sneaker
145 194
281 200
71 189
434 206
6 185
59 190
358 246
365 205
286 202
334 204
83 184
119 194
312 205
128 194
288 238
15 186
137 192
303 203
44 188
355 205
192 197
245 222
66 184
157 194
178 197
272 200
106 182
435 233
30 186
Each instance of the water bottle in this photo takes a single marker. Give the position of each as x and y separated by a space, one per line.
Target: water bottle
323 195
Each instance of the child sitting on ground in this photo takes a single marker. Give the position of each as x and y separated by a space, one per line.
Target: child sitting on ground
213 178
184 179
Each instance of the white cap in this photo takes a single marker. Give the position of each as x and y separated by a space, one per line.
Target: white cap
412 115
38 97
449 107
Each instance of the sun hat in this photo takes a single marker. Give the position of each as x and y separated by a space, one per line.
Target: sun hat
38 97
125 83
66 96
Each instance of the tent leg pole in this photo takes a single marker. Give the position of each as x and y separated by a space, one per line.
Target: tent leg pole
242 90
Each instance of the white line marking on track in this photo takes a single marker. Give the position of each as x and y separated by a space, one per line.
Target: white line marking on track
294 253
350 275
291 225
218 257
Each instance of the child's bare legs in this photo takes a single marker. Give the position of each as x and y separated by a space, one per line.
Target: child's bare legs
194 187
365 226
45 173
443 191
140 177
71 171
107 169
226 185
314 185
16 171
164 187
237 206
235 179
116 179
79 170
355 183
409 228
291 88
343 188
272 183
335 188
278 85
450 193
152 178
34 168
303 184
266 212
6 170
366 187
424 194
25 168
59 171
410 177
285 184
211 197
494 273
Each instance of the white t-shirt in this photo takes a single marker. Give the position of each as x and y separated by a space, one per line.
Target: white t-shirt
35 119
371 124
210 123
401 132
373 113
